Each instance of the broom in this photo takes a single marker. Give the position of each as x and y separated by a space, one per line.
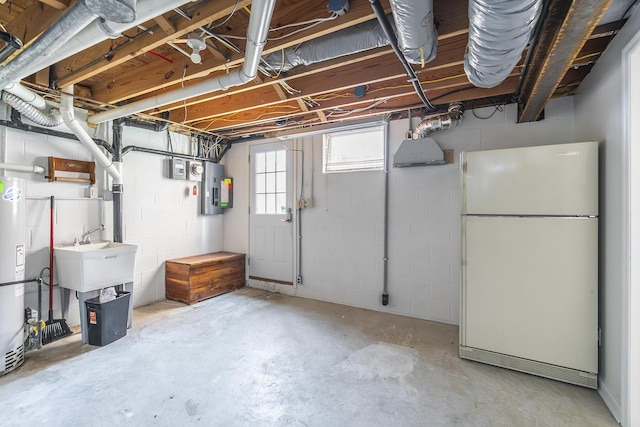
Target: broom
54 329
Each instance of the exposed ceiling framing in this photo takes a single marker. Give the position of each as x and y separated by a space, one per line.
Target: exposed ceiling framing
145 62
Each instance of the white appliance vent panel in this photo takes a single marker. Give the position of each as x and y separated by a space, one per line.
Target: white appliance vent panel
571 376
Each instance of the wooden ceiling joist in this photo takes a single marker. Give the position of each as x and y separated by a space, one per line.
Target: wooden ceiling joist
207 13
146 65
33 21
158 75
568 27
57 4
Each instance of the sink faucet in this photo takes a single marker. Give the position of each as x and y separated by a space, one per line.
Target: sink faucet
84 237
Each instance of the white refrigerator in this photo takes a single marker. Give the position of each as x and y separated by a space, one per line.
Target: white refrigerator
530 260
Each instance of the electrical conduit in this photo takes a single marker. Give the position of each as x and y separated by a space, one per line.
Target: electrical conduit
257 31
68 115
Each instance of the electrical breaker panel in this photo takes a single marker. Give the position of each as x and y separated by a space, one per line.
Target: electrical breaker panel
217 191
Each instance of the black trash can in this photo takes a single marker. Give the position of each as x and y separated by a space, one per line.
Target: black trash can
107 321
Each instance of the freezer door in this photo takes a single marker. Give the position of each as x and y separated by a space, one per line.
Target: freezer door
530 289
557 179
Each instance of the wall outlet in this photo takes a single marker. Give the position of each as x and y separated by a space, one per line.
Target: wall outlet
299 280
448 157
308 202
91 192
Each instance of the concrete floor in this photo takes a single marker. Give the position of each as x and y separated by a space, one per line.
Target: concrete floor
257 358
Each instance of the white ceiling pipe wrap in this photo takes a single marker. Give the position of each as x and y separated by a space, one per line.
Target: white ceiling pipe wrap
261 12
21 168
498 33
415 29
68 115
26 95
94 34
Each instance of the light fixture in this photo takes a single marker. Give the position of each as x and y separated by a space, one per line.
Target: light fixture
196 43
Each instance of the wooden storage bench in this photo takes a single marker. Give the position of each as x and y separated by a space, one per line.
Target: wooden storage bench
199 277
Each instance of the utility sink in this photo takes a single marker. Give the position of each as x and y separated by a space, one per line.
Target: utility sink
94 266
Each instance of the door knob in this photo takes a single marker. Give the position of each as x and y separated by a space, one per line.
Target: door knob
288 217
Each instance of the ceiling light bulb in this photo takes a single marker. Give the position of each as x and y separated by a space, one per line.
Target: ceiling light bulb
196 43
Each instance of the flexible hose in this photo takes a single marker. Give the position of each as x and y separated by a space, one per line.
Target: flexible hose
43 119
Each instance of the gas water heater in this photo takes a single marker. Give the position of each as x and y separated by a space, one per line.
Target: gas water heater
12 268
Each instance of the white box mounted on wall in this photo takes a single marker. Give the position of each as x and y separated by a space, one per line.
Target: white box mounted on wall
176 169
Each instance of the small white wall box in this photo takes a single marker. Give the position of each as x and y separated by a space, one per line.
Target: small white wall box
177 169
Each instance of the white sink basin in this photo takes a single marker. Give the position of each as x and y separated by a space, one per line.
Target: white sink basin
94 266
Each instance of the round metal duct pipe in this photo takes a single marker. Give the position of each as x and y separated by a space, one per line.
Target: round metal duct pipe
498 33
416 30
120 11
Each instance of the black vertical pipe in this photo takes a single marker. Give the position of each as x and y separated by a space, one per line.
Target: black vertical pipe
117 189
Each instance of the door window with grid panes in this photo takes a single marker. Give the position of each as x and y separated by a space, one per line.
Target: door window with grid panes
271 182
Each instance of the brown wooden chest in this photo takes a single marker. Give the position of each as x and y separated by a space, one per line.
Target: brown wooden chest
196 278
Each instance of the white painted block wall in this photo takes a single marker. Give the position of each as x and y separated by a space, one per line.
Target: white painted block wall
601 112
161 215
343 232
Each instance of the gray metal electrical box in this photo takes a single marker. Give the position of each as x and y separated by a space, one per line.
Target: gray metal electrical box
176 168
217 190
194 170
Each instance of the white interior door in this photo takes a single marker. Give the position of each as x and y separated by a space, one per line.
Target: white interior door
270 218
531 288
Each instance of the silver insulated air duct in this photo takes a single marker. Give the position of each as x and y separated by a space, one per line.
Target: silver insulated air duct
74 19
422 150
415 29
498 33
355 39
414 26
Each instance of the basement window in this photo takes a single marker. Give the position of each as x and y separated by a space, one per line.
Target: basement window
354 150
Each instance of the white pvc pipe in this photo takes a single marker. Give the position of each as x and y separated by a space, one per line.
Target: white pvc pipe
94 34
68 115
257 31
26 95
21 168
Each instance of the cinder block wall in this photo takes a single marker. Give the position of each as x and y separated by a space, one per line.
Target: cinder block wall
161 215
342 243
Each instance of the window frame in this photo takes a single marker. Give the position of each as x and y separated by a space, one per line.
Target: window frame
346 166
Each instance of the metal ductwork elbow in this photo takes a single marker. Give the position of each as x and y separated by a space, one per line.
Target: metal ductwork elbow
416 30
421 150
448 120
498 34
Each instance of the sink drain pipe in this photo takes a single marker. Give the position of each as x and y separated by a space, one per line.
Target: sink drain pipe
116 188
